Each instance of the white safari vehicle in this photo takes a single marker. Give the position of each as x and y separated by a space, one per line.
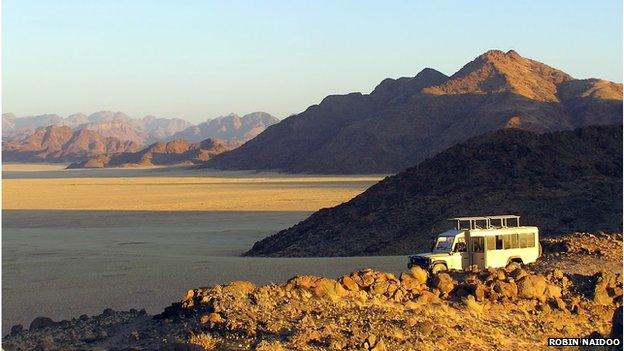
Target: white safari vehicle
490 241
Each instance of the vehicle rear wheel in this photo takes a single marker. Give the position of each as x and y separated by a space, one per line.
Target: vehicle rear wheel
437 268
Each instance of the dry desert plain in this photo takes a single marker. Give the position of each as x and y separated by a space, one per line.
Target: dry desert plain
79 241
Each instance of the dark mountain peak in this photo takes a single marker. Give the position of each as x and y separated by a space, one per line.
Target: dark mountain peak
340 98
498 72
395 88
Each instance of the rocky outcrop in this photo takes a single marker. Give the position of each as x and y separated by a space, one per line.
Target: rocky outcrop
404 121
561 182
366 309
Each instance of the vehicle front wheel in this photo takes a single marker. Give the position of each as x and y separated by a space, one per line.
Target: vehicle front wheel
437 268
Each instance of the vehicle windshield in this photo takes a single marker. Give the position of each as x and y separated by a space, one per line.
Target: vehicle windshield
443 244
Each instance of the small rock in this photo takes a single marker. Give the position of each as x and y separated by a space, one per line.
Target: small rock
212 318
380 346
560 304
16 329
557 274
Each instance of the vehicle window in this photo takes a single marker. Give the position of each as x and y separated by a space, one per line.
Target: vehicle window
522 240
443 244
490 243
507 241
531 240
477 244
514 241
499 242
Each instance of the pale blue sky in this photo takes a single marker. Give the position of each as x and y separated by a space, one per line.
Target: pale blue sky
200 59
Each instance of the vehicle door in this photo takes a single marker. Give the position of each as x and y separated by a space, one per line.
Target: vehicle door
477 255
460 251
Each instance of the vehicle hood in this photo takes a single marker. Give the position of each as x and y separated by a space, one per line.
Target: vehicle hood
432 255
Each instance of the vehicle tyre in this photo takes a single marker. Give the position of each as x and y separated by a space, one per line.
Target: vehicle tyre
512 264
438 267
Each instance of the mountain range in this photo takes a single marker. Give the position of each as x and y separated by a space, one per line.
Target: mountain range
49 137
561 181
406 120
161 153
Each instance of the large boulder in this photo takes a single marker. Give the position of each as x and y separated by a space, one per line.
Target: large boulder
330 289
532 287
443 282
419 274
607 288
504 289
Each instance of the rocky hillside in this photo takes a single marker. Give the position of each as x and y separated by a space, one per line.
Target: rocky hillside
161 153
516 308
62 144
560 181
231 128
403 121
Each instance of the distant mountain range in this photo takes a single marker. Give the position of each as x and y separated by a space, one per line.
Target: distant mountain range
404 121
60 143
79 138
562 182
231 128
161 153
106 123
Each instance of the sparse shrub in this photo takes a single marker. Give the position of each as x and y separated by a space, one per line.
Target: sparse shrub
269 346
207 341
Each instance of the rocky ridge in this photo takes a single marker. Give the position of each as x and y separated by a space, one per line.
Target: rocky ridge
517 307
158 154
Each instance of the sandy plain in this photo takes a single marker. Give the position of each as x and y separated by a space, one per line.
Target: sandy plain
79 241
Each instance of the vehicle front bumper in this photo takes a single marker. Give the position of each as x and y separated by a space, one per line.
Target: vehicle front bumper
420 261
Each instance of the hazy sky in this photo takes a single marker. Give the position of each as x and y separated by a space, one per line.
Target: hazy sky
200 59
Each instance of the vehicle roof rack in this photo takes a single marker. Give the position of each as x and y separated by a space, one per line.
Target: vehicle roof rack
486 222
